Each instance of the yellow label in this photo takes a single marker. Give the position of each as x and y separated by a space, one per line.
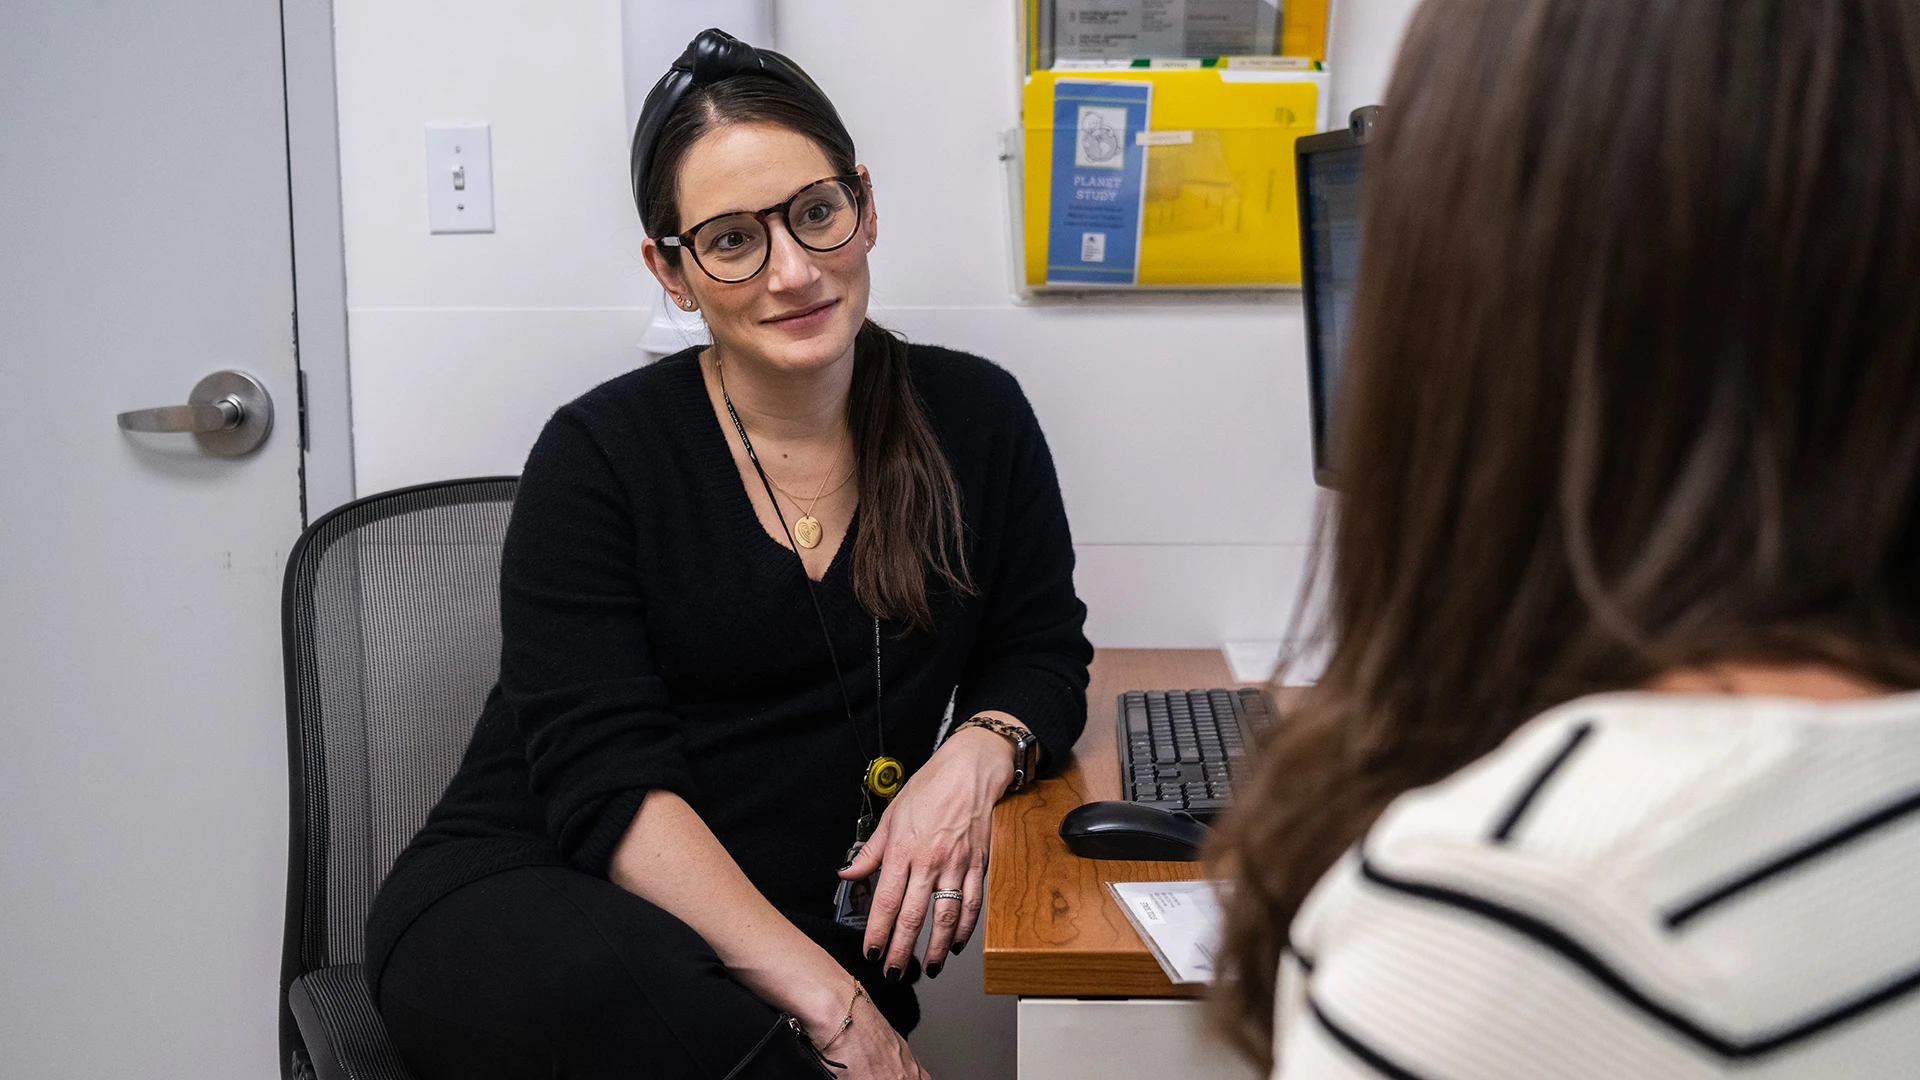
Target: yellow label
1269 63
1303 29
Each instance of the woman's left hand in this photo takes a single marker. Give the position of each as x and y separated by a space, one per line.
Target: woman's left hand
934 838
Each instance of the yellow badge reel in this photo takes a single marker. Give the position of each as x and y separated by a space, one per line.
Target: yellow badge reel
885 777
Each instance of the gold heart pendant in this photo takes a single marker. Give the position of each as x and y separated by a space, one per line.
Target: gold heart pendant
806 532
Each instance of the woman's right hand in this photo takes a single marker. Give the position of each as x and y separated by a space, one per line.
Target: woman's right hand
871 1050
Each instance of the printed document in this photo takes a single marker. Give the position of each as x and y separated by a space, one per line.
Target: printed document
1179 920
1132 29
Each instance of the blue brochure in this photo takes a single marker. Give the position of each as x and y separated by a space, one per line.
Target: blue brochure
1099 182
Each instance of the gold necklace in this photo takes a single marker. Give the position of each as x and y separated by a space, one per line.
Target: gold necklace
807 531
844 481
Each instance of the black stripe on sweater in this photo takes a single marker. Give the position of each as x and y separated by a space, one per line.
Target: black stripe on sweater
1585 959
1372 1058
1305 961
1835 837
1504 831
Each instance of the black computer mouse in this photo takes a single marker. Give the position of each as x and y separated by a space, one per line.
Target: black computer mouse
1128 830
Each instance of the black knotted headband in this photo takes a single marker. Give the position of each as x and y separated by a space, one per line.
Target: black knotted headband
711 57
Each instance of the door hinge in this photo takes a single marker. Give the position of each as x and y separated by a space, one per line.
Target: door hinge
300 385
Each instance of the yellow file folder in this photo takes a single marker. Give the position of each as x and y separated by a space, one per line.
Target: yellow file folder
1220 206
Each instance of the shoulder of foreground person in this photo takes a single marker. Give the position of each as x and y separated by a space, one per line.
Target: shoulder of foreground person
1634 884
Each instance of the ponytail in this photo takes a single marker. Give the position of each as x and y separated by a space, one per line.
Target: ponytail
911 530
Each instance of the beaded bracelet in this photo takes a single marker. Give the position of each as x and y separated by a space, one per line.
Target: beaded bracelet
1026 748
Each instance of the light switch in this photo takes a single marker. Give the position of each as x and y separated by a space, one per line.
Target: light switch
460 179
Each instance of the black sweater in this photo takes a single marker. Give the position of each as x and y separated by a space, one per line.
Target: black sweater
654 636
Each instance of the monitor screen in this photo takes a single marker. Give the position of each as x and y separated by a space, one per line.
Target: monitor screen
1329 175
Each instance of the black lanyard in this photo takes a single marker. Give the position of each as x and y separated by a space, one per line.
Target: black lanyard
883 775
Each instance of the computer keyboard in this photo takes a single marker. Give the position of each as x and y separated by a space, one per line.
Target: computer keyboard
1182 750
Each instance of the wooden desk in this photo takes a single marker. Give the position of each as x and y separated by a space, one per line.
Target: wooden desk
1052 929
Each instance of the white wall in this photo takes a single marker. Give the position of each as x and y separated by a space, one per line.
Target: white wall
1179 428
461 345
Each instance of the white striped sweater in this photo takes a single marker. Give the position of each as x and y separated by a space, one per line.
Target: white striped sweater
1635 885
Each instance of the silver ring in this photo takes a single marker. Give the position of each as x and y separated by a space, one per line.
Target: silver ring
949 894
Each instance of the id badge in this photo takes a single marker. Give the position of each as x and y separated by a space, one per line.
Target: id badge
854 899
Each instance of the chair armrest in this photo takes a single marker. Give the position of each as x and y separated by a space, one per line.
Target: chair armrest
344 1036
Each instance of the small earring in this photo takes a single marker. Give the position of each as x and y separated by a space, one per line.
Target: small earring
686 303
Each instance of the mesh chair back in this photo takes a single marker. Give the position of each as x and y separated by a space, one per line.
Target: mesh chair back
392 626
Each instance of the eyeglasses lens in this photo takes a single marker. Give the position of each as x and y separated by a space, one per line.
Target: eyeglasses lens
821 217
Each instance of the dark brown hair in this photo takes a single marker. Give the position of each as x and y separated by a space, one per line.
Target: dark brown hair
910 513
1633 384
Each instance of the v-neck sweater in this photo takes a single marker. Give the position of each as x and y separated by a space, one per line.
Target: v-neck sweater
654 636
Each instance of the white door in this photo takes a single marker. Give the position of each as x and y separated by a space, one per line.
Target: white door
144 243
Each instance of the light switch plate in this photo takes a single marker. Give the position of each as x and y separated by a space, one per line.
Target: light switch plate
460 179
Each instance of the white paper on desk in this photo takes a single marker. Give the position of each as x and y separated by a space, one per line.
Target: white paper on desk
1179 920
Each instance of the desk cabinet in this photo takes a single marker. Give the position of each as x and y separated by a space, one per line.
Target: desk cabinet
1122 1039
1054 936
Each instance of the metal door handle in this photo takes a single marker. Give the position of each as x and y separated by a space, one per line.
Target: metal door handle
219 416
229 413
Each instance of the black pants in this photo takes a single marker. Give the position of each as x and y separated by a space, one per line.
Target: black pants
544 972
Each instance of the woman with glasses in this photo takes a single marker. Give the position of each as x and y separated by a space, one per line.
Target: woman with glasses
704 820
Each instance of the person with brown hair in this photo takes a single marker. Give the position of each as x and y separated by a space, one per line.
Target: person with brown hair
708 811
1614 769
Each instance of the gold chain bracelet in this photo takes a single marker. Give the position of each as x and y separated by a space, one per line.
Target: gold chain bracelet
859 991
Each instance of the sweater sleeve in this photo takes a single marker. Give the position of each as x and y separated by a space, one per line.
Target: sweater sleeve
1032 655
575 666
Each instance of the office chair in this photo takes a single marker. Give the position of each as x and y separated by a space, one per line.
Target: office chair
391 631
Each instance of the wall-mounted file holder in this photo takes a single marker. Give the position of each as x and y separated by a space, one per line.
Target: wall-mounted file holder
1178 178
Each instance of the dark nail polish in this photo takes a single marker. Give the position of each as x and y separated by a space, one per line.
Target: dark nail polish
873 954
844 868
958 946
893 974
933 969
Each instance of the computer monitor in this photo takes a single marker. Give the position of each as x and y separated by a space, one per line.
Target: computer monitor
1328 171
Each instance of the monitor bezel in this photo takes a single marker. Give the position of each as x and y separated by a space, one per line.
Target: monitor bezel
1303 148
